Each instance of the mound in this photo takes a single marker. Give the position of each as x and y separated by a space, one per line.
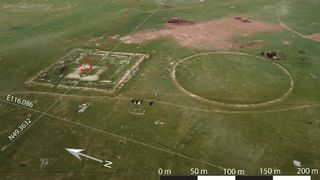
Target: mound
178 22
206 35
244 20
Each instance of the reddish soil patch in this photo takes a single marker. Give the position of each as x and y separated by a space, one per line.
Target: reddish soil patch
315 36
207 35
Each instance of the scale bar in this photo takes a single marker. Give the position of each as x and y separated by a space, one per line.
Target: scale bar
235 178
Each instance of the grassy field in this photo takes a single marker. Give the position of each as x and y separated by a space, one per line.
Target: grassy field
177 132
232 78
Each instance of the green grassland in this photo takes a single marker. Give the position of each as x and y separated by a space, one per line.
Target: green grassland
232 78
34 34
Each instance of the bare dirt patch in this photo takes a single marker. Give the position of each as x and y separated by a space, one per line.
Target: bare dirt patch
315 36
216 34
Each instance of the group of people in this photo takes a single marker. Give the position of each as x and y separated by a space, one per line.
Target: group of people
137 101
270 55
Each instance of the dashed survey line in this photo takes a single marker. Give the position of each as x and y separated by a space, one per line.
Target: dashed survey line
139 25
69 89
133 31
117 29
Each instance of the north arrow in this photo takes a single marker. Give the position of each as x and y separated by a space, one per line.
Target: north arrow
77 153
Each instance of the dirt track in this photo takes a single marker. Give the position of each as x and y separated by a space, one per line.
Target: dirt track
206 35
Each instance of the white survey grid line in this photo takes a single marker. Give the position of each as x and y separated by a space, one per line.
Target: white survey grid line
203 110
34 122
118 136
137 142
139 25
68 90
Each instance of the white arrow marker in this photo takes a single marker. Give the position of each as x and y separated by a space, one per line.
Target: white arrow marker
77 153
